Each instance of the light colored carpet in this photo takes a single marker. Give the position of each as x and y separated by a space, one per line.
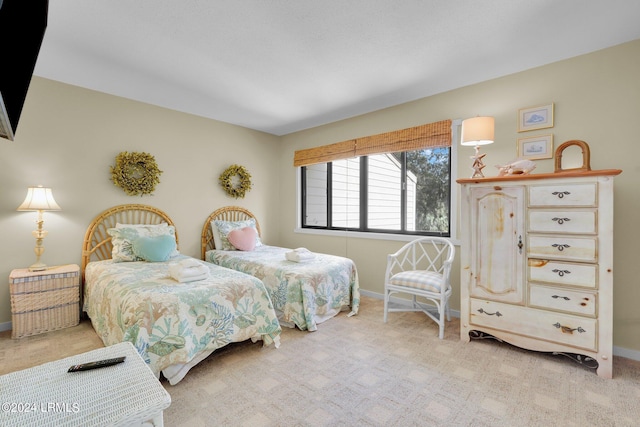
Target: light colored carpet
360 371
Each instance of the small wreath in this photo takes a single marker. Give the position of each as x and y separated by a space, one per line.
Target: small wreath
136 173
236 181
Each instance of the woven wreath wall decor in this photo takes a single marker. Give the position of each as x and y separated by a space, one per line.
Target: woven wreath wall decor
136 173
236 181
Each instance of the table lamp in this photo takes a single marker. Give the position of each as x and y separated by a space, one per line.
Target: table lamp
476 132
39 199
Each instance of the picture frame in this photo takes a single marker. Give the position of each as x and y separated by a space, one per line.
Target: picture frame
538 117
536 147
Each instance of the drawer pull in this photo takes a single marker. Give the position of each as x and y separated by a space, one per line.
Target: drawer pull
560 194
561 220
558 296
568 330
561 273
560 246
497 313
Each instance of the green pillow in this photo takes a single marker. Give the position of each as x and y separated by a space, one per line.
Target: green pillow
122 237
154 248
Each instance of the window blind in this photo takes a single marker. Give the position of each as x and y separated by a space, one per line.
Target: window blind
436 134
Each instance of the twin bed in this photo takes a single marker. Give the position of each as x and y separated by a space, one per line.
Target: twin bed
304 293
129 260
172 325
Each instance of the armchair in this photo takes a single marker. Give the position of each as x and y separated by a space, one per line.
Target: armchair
421 268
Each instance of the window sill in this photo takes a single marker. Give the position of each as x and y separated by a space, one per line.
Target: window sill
361 235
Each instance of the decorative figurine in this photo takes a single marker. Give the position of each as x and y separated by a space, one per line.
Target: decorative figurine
477 164
516 167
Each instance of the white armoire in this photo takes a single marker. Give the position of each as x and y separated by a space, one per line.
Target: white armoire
537 262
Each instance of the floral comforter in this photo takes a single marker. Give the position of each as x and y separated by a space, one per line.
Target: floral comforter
303 293
173 323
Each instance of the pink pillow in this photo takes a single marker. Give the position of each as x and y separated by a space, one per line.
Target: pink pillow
243 239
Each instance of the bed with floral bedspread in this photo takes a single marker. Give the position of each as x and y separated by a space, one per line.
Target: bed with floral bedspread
304 294
175 309
175 324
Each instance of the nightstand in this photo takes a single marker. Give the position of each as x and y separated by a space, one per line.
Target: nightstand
43 301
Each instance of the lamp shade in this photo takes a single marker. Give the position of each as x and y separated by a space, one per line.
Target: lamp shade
477 131
39 198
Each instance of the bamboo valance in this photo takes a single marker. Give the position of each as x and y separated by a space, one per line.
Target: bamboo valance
436 134
325 153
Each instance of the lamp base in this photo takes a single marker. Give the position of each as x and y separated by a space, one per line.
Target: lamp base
477 163
38 266
39 234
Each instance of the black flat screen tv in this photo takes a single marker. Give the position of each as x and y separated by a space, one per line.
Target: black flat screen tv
22 27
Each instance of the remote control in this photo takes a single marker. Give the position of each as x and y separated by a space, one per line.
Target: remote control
97 364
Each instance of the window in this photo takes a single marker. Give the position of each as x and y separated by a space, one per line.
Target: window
407 192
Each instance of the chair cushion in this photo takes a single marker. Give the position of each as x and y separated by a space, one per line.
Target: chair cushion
419 279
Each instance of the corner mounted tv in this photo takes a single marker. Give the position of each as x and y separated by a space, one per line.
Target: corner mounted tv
22 26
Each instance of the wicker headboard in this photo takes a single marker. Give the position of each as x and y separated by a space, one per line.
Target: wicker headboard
228 213
97 242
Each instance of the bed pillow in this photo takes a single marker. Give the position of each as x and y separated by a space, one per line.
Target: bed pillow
122 238
217 243
243 239
224 227
154 248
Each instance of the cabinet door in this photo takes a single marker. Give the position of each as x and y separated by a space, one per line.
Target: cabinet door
497 243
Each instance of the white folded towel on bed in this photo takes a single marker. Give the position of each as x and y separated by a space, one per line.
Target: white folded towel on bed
188 270
299 255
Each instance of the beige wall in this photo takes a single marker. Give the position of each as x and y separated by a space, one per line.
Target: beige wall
597 99
68 138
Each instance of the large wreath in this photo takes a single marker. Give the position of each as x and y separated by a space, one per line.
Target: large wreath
236 181
136 173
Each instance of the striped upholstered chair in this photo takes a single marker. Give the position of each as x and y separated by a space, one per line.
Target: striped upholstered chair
422 269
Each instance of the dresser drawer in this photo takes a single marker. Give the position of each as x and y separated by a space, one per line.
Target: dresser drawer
563 247
569 221
563 195
545 325
563 273
560 299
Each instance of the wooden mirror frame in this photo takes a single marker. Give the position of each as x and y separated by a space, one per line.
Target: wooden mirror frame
586 156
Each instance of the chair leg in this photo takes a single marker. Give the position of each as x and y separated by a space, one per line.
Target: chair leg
386 304
443 309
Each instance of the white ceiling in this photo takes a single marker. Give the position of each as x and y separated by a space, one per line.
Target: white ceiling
284 65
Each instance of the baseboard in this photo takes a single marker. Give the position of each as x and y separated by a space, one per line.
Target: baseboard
625 352
617 351
6 326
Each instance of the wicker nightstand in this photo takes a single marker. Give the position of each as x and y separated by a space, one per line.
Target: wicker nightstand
43 301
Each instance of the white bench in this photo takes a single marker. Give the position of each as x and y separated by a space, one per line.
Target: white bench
125 394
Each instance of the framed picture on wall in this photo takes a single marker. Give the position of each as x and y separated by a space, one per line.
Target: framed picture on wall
532 118
536 147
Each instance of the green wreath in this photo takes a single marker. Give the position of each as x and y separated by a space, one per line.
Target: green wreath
136 173
235 187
